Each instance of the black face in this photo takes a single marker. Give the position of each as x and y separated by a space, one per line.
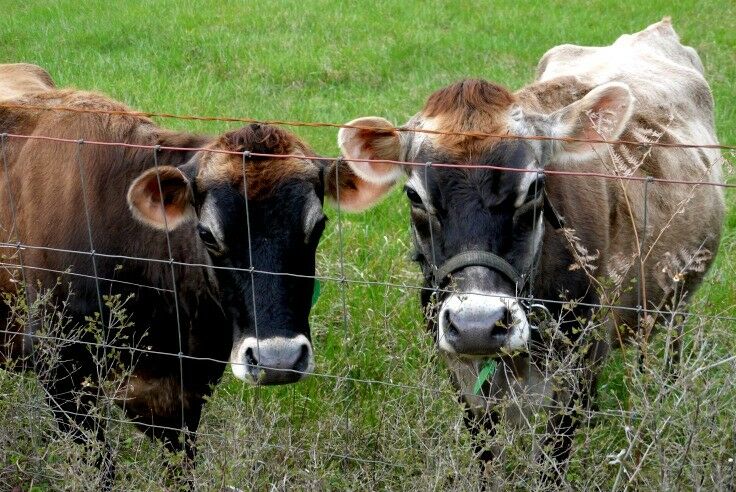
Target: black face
277 235
454 210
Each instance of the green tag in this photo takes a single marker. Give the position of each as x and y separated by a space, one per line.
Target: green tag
486 372
316 292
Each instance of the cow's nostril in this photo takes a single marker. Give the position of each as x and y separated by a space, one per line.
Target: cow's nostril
250 359
451 330
303 361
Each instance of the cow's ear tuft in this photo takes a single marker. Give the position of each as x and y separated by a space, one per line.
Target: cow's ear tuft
161 197
350 191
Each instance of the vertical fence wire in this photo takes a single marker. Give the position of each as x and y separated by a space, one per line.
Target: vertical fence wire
641 291
257 392
538 222
180 354
101 425
434 267
343 286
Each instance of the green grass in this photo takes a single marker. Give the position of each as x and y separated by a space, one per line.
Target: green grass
333 61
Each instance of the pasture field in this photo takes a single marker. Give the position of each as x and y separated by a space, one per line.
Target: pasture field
381 414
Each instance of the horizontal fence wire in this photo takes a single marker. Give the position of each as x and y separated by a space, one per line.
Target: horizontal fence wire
359 127
339 280
388 161
342 280
335 377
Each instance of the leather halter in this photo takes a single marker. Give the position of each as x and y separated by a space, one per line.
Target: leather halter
494 262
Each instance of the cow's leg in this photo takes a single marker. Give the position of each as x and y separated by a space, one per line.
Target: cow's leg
481 427
178 440
167 426
479 420
557 444
492 407
575 405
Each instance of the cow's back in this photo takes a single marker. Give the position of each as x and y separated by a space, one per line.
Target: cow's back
673 105
20 79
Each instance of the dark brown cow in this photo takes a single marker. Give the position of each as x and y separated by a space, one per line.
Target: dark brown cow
62 201
491 238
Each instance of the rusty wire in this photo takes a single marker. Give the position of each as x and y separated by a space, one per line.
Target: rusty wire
385 161
319 124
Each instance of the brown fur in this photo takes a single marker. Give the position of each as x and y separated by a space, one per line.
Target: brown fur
262 174
470 105
46 192
378 143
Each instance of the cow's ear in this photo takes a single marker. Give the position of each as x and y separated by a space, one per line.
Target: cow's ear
350 191
358 185
602 114
161 197
372 138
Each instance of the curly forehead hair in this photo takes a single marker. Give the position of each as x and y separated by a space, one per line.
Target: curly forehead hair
263 174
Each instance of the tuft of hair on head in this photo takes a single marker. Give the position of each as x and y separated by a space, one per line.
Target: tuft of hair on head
466 96
259 139
471 105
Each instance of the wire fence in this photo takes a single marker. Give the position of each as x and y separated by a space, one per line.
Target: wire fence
642 428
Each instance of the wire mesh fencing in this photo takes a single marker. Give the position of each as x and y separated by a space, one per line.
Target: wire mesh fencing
379 410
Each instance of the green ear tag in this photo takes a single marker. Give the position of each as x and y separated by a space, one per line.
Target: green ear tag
316 292
486 372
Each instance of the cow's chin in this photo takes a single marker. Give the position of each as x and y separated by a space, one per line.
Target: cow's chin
467 326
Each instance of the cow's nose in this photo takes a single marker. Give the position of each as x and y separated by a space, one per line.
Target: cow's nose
474 324
276 360
473 331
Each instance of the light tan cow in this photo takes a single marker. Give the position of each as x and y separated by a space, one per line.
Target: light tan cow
492 239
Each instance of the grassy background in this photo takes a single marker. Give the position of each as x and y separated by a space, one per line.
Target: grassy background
333 61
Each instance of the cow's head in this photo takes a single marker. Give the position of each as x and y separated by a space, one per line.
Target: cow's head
275 230
477 211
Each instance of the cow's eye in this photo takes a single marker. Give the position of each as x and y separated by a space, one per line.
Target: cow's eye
207 238
413 196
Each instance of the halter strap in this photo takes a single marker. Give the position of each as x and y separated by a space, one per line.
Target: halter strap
493 261
477 258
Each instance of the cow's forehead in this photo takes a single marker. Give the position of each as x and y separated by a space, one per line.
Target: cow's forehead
458 111
444 186
261 177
